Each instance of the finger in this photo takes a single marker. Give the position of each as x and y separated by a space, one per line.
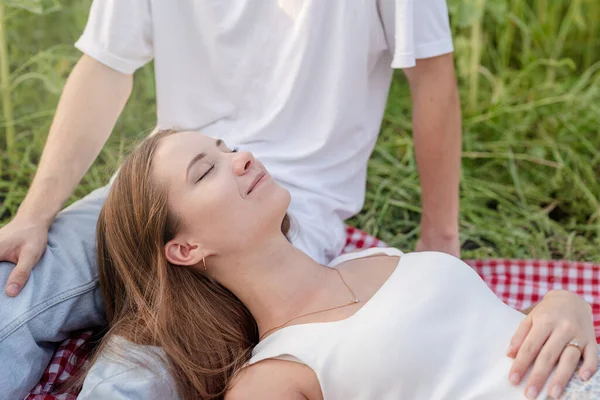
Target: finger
20 274
517 340
7 251
528 351
544 363
567 364
590 361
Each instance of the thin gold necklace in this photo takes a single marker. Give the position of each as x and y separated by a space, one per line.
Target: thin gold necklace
354 300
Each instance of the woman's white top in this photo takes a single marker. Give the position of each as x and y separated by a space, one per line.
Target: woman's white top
434 330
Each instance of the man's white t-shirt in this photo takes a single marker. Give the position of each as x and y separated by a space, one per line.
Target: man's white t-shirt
301 83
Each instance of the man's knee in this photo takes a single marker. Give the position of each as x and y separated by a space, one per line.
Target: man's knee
62 284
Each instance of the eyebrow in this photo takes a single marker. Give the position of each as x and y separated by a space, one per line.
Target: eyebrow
199 157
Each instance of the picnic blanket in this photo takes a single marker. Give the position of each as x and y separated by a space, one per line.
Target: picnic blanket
518 283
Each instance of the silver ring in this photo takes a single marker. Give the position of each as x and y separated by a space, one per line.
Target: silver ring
577 345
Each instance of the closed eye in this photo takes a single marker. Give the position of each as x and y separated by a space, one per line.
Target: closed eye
234 150
204 174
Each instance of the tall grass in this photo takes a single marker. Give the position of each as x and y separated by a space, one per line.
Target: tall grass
529 75
7 106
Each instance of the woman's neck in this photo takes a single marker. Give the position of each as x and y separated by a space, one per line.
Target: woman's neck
277 282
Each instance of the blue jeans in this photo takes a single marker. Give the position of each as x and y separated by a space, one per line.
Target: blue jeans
62 295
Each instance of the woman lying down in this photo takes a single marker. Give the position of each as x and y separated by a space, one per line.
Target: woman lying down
206 298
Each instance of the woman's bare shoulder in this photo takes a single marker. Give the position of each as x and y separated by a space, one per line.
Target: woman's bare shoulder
275 379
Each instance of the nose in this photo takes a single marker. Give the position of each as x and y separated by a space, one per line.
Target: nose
243 162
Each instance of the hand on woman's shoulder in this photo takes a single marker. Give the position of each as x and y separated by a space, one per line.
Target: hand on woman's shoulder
275 379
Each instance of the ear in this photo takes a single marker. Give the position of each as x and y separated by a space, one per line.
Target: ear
179 252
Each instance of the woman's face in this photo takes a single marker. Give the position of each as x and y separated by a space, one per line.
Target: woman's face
226 201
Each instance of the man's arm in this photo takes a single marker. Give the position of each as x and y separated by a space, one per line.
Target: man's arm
437 136
92 99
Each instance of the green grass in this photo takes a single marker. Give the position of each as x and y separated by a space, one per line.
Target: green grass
529 76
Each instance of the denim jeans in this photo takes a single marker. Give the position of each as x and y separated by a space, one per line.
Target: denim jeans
62 295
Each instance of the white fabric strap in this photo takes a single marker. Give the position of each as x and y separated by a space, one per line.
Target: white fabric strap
390 251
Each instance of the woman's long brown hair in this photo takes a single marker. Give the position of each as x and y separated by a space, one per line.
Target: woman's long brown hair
206 333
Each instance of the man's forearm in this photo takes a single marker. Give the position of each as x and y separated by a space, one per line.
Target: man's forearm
92 99
437 136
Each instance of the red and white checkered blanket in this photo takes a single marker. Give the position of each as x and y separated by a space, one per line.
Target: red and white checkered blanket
519 283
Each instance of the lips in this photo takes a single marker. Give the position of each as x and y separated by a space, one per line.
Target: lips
260 175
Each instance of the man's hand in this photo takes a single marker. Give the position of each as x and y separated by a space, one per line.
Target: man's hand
543 338
22 242
449 245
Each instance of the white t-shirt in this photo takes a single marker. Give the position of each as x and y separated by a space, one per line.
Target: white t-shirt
301 83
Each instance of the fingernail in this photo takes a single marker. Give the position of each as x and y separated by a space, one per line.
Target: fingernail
587 374
514 379
556 391
531 393
510 349
12 289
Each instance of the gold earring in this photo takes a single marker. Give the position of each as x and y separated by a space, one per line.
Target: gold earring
204 262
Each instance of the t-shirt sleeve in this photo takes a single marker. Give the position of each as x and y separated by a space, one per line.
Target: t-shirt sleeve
415 29
118 34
